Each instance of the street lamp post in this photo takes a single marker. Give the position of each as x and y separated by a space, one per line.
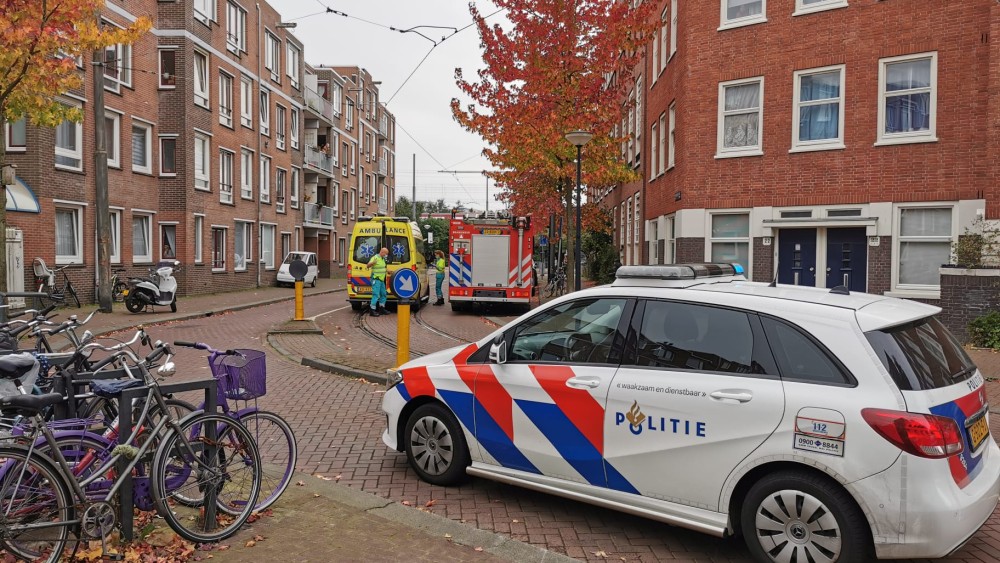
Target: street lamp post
578 138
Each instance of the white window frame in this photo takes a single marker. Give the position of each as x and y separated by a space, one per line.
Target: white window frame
928 136
203 178
226 159
354 157
265 179
293 56
654 150
22 125
293 129
917 290
272 55
801 8
798 104
199 234
354 202
264 101
225 99
246 227
236 28
279 126
148 133
671 136
114 141
670 246
222 253
160 141
246 174
344 194
166 81
143 258
202 89
726 23
115 244
280 189
709 239
655 52
735 152
246 102
293 186
122 58
77 153
659 66
204 11
77 211
267 229
673 28
637 224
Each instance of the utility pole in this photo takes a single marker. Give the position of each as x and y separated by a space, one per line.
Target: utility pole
415 218
101 187
473 172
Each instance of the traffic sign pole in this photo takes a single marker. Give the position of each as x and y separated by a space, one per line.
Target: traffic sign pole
299 308
402 332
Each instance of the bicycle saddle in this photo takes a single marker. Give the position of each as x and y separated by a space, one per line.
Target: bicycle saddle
111 388
14 366
27 405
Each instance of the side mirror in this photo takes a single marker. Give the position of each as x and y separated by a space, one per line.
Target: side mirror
498 351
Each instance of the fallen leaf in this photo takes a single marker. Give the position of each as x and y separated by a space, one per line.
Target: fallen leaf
315 495
258 537
478 549
600 553
406 503
250 543
337 478
515 520
300 483
432 502
222 548
447 536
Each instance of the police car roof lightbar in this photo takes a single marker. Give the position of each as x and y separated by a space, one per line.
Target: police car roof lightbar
679 271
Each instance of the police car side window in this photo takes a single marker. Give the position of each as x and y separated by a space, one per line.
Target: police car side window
802 358
577 332
686 336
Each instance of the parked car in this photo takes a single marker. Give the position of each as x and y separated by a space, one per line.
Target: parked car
284 276
821 424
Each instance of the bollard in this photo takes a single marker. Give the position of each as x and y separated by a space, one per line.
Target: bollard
298 270
402 332
299 308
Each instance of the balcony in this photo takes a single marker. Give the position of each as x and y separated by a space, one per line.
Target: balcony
318 161
317 216
383 126
381 168
383 205
318 105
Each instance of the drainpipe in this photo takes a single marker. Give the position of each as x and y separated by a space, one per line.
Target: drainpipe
260 155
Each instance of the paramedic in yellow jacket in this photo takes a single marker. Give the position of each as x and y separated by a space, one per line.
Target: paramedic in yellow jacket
379 295
439 265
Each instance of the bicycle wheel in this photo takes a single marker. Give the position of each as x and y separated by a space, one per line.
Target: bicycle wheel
225 469
278 454
118 292
35 505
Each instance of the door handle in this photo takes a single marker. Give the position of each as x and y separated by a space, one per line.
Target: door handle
732 395
583 382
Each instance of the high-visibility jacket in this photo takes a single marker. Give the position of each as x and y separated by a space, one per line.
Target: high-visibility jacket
440 265
378 267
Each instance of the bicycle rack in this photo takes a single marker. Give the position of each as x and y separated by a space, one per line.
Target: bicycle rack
5 295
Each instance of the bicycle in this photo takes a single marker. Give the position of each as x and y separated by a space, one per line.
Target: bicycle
119 287
46 280
241 376
557 283
201 465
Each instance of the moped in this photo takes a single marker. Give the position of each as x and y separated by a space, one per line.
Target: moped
159 289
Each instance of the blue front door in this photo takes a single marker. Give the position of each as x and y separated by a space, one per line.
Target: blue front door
847 258
797 257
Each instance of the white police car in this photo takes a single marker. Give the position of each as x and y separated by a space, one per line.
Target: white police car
822 425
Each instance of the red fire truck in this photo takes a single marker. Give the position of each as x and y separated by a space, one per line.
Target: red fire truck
490 261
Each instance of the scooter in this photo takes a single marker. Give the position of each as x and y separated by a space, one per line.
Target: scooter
159 289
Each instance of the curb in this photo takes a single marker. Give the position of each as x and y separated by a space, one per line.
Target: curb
329 367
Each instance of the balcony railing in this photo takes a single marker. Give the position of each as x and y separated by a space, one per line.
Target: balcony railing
381 168
383 126
383 205
317 215
319 105
317 160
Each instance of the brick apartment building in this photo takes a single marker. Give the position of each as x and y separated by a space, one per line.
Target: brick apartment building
821 141
222 149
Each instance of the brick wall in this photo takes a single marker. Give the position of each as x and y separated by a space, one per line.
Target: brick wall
880 266
690 250
763 260
965 295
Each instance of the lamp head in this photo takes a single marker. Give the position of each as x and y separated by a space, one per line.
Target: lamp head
579 138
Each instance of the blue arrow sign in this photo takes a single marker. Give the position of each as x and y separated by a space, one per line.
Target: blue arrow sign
543 241
405 283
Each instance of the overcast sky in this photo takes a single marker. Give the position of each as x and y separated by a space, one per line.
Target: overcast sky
425 126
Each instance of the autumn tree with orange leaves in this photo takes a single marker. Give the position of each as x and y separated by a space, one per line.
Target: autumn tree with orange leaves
561 65
40 41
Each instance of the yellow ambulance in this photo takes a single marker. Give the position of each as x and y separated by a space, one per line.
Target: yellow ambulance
406 250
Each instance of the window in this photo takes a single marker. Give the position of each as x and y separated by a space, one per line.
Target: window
279 127
265 179
639 126
201 79
292 64
225 99
294 185
578 332
657 40
336 93
117 67
17 135
354 202
741 116
204 10
921 355
202 162
818 117
908 98
736 13
272 52
810 6
112 124
293 130
349 122
246 174
354 156
671 136
168 241
670 246
673 27
69 145
225 176
344 159
142 148
636 224
731 238
280 176
925 236
142 238
242 248
800 357
168 68
654 151
682 336
343 205
69 235
265 112
199 228
218 249
267 246
168 156
236 28
246 102
286 247
116 240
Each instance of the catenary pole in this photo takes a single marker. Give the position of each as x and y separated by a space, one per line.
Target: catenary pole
101 187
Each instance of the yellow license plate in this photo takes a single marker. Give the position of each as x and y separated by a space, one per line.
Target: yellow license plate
979 431
492 231
362 290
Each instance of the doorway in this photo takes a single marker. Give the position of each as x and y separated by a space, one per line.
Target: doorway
839 254
847 258
797 257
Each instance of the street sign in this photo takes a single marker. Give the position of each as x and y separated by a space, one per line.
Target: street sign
543 241
405 283
298 270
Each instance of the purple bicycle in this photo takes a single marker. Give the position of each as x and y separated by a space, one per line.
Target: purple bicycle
241 376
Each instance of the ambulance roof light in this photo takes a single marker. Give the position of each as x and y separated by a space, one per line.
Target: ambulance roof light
679 271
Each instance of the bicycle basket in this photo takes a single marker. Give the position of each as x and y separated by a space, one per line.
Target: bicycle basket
241 377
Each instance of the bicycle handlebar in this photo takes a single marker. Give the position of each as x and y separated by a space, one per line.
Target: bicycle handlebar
206 347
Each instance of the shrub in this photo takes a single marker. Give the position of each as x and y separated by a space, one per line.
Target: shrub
984 331
977 247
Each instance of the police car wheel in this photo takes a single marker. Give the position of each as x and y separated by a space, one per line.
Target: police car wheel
435 445
797 516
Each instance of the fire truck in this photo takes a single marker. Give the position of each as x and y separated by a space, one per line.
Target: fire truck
490 261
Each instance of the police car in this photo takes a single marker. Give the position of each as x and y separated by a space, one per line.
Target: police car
822 425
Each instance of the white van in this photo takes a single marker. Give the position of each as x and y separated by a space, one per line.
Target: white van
284 276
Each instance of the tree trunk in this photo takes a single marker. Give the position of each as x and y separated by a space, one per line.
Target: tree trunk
3 205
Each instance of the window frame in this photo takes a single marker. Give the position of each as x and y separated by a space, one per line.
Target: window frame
292 63
164 228
115 244
710 240
148 135
219 254
77 153
246 173
203 180
293 129
226 172
165 80
201 84
263 244
236 42
114 140
77 211
148 217
280 189
928 136
264 101
917 290
726 23
199 229
265 179
797 105
9 131
279 126
225 99
246 229
671 135
205 11
246 101
673 28
748 150
620 331
293 186
654 150
802 9
272 56
160 143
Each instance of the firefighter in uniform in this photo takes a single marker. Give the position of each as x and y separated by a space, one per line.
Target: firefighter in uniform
439 264
378 266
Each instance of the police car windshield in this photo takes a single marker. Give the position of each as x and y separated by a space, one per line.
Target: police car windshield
399 249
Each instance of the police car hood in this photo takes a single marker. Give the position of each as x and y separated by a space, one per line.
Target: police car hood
437 358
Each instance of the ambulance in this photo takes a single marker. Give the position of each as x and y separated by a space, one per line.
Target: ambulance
406 250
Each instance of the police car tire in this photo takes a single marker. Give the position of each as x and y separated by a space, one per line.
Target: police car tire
856 539
460 460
